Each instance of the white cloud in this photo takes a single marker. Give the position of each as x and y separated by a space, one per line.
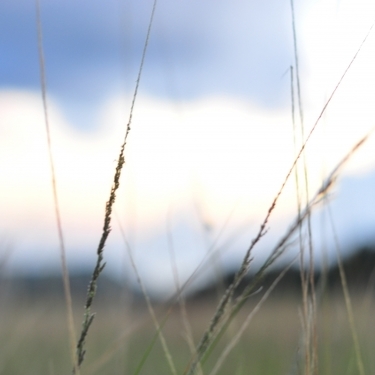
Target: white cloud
219 153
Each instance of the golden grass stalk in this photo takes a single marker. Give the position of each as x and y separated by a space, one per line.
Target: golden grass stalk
65 272
308 284
99 266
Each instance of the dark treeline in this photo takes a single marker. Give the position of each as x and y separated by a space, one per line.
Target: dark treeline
359 270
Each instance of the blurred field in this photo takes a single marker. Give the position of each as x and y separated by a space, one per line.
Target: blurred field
34 336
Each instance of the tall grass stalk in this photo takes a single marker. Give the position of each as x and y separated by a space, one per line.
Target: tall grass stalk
308 284
88 316
304 285
65 272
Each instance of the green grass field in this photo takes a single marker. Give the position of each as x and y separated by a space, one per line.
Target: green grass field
34 338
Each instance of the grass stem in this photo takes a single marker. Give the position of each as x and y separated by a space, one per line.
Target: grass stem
65 272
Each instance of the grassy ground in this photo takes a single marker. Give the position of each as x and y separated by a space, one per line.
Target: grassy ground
34 338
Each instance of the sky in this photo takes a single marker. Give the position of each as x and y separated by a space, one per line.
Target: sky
212 135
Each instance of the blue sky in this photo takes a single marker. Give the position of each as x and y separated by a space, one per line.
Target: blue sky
196 49
211 139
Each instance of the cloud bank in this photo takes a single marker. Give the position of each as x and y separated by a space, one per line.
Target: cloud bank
189 170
